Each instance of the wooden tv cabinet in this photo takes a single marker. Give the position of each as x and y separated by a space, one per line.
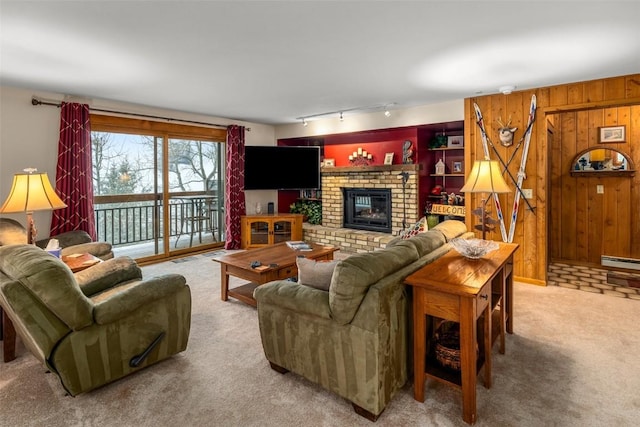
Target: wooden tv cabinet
258 231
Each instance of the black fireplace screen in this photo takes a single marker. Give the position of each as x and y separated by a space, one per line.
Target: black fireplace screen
367 209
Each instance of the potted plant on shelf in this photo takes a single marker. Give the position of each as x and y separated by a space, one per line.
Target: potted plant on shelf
310 209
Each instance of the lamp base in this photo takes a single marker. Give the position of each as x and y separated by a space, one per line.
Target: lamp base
31 229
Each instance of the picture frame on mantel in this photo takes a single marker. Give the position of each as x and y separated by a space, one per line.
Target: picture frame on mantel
329 163
388 159
607 134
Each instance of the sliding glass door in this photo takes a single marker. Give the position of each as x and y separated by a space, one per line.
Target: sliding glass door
196 192
156 194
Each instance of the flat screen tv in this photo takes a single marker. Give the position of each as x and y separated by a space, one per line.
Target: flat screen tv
281 168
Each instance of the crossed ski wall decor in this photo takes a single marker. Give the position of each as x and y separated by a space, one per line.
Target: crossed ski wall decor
521 175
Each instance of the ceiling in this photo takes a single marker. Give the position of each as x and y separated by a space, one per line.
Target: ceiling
274 62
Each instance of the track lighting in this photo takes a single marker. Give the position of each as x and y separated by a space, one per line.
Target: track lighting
340 113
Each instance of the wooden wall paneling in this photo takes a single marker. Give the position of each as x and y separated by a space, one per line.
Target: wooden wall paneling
554 204
597 209
575 93
632 86
557 195
623 216
558 95
610 221
633 149
594 90
614 88
566 223
526 226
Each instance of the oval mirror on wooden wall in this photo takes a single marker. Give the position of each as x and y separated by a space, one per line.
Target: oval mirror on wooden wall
601 162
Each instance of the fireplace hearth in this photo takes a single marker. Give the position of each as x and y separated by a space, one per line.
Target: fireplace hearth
367 209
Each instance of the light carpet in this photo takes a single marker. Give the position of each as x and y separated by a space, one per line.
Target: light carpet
573 361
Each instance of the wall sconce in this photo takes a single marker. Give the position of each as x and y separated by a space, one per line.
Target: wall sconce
360 157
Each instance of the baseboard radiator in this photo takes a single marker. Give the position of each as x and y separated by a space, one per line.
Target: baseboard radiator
620 262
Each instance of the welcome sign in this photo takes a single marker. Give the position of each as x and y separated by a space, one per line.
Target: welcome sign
452 210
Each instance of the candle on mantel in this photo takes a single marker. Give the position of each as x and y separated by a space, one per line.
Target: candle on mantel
350 157
369 156
359 150
355 154
364 153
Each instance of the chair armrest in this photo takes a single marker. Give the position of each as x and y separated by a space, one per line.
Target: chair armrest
98 249
107 274
295 297
120 301
68 238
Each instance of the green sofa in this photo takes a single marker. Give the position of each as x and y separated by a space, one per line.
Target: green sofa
95 326
353 340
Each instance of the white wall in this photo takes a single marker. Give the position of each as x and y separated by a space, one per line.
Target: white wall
29 138
421 115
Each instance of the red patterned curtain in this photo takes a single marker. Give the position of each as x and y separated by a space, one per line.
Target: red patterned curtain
74 172
234 205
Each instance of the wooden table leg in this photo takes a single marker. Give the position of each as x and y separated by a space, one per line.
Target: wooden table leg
8 338
468 340
487 345
419 345
224 285
508 295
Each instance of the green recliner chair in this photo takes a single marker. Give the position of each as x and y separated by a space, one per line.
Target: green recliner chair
98 325
71 242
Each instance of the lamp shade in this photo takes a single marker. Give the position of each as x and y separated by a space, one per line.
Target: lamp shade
485 177
596 155
31 192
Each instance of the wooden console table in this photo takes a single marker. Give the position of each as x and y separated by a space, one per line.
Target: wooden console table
460 289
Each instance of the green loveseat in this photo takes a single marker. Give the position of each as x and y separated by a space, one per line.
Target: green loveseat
353 340
98 325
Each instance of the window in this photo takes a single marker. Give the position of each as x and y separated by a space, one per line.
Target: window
158 187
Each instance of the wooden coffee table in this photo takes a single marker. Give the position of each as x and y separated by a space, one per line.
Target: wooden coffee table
278 263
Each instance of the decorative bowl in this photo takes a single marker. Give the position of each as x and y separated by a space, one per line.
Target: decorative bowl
473 248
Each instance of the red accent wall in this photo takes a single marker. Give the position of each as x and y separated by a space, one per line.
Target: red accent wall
378 143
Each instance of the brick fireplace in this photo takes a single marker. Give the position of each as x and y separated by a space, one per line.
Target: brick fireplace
332 230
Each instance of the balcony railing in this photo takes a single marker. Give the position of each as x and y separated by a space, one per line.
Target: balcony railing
134 218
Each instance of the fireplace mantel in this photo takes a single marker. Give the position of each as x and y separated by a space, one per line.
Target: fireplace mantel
376 168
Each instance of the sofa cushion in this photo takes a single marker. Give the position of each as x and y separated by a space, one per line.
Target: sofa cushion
451 228
419 227
49 280
353 276
316 274
428 241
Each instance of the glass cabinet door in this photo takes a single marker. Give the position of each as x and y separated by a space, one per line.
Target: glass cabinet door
259 232
281 231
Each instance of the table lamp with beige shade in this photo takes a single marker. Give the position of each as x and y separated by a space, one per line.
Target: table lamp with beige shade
31 191
485 177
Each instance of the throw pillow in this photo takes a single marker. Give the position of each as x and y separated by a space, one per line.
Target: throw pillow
417 228
316 274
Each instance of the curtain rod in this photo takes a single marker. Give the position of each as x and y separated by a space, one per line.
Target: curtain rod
35 101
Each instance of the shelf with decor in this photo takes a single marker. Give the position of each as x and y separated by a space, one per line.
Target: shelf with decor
445 177
447 165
